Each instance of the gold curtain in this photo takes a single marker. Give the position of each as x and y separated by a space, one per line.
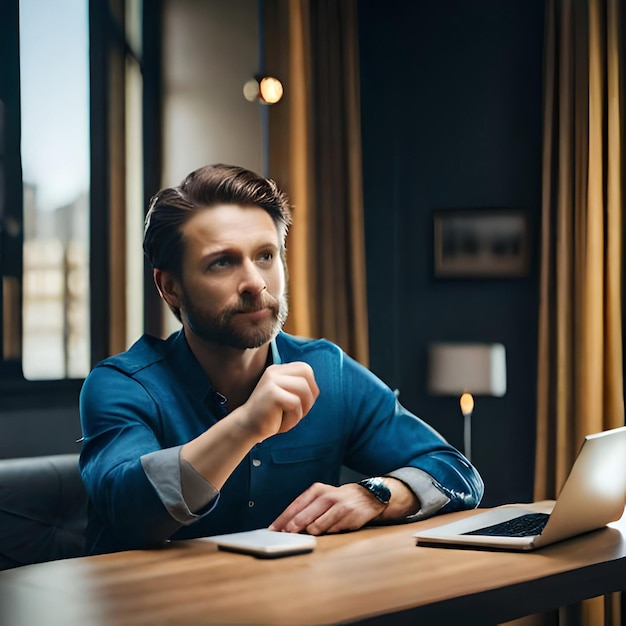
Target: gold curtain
580 378
315 156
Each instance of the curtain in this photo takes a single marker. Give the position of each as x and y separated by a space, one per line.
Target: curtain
580 367
315 156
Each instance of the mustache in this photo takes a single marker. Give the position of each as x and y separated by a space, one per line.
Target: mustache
247 305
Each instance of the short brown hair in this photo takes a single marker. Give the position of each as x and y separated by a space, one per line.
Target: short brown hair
207 186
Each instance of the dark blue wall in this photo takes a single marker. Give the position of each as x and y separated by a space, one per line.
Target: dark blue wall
451 115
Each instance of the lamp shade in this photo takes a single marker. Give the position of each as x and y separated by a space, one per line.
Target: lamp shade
479 368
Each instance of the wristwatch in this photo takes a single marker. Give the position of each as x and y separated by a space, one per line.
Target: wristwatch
377 488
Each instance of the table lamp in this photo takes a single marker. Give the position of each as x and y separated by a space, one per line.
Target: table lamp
464 370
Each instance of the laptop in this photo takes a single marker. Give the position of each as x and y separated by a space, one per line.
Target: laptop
593 495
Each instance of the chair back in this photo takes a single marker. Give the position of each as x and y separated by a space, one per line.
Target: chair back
43 510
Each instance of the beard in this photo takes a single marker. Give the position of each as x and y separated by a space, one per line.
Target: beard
223 328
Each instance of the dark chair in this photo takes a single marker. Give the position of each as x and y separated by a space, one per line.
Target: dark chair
43 510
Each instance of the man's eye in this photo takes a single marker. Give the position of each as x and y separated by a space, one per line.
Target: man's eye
220 263
266 256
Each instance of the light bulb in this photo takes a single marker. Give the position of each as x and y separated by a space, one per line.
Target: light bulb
467 403
270 90
251 90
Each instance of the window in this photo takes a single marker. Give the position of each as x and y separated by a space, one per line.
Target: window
54 84
73 155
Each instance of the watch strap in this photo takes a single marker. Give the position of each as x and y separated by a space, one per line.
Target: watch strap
377 488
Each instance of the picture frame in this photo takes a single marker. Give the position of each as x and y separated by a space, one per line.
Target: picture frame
481 243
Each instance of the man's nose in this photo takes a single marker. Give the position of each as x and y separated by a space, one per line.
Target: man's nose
252 280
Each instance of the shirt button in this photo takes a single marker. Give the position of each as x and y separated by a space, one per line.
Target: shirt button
256 462
250 503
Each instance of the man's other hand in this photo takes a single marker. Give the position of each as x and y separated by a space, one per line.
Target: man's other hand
327 509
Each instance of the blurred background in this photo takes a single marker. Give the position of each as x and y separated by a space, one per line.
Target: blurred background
393 114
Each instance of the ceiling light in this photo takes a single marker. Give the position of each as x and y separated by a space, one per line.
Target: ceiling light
266 89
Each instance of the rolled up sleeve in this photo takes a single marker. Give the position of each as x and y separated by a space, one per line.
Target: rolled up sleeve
184 493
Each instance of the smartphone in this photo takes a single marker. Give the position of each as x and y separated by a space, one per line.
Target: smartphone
264 543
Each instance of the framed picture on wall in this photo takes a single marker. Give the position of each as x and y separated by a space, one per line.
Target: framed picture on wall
480 243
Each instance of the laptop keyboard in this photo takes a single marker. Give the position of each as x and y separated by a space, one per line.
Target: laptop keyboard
523 526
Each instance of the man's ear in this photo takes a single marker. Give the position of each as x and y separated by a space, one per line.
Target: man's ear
168 287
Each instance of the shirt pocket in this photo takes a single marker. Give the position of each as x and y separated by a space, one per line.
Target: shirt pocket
303 454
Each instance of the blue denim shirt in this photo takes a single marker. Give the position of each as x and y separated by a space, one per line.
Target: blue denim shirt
156 396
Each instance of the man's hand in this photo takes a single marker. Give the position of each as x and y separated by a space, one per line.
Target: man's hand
282 397
327 509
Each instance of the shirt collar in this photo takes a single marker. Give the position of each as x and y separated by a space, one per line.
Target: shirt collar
276 360
186 367
190 373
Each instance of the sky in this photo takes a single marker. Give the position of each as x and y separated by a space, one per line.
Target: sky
55 99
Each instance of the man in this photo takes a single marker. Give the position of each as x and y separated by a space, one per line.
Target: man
231 424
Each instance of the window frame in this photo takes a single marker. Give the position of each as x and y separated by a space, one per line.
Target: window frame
108 48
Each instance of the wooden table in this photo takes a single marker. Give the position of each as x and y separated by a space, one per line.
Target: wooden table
373 576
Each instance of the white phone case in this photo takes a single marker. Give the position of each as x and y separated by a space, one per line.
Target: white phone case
265 543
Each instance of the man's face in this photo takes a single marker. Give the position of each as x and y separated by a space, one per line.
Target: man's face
232 291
